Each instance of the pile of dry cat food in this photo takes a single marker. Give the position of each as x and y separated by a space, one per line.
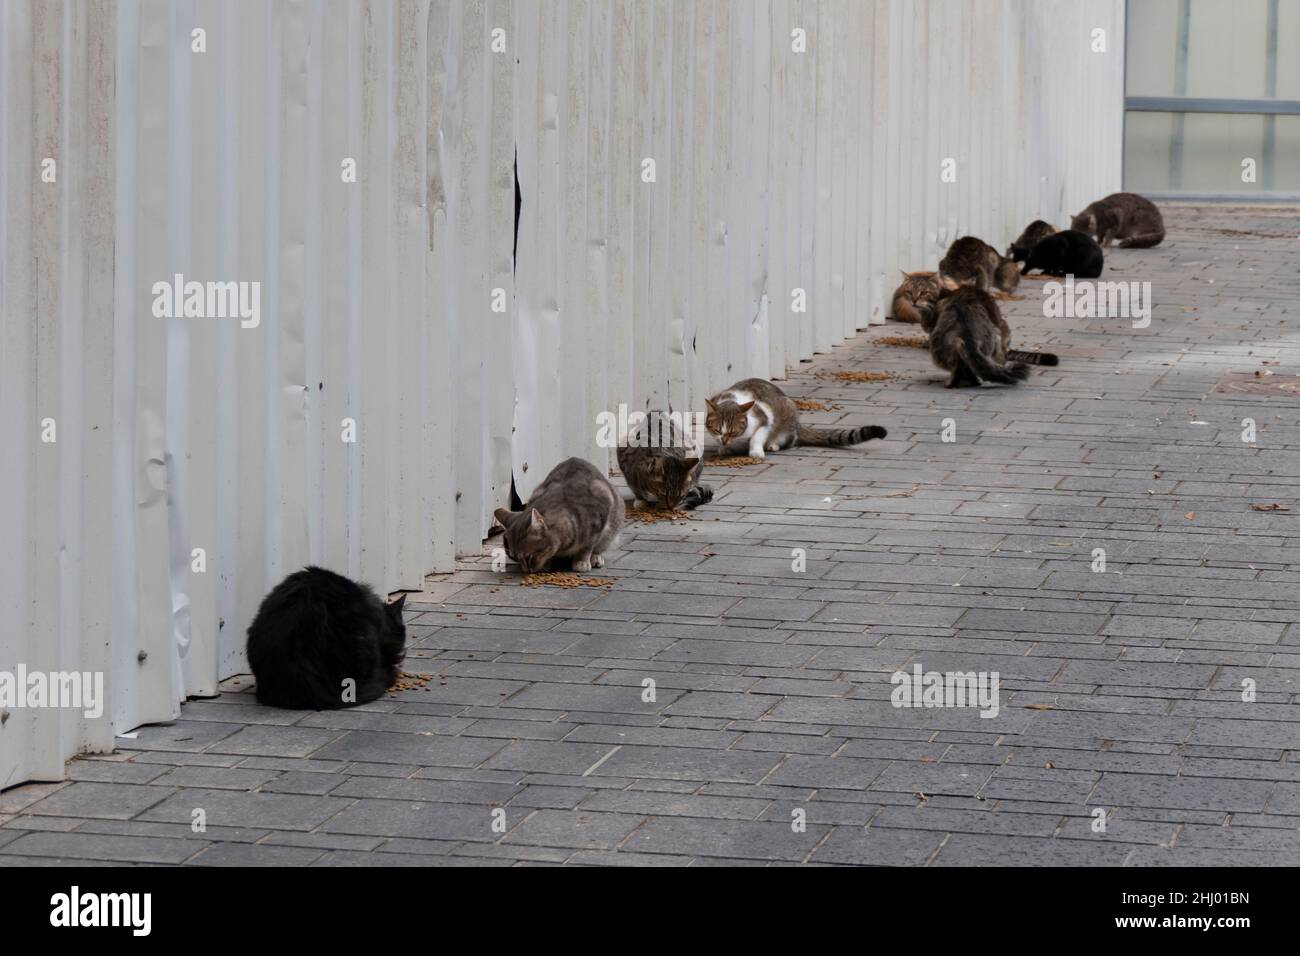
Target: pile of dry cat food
905 341
811 405
652 515
564 579
862 376
735 461
407 681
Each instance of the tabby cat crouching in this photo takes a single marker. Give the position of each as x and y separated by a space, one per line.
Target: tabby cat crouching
1034 233
1133 220
661 465
915 299
757 412
574 513
971 261
970 339
321 641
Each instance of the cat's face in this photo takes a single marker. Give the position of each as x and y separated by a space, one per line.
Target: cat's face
672 480
1084 222
528 541
921 287
727 421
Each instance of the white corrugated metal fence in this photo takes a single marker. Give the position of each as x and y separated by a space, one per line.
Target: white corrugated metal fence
684 167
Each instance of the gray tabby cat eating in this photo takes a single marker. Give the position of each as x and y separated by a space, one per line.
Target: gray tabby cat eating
1132 219
1034 233
973 262
574 513
662 465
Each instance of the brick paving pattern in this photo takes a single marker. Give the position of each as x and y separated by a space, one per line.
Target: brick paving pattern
1120 691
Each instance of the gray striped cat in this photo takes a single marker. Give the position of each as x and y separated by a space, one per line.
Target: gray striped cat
574 513
969 338
1034 233
758 412
973 262
662 464
915 299
1132 219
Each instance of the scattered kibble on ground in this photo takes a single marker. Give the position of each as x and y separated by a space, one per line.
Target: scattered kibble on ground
862 376
905 341
565 579
734 461
407 681
651 515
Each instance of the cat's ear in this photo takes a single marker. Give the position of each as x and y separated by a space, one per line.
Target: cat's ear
503 516
535 522
394 609
689 463
709 402
744 408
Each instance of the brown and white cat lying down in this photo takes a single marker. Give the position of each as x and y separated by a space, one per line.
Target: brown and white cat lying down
757 412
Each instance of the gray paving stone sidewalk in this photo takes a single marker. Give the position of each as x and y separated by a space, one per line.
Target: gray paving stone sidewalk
1121 692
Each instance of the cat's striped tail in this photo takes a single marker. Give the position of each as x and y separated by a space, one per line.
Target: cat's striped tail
1032 358
984 368
838 437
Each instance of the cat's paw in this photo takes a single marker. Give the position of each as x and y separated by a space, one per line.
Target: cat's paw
582 566
774 447
597 560
758 452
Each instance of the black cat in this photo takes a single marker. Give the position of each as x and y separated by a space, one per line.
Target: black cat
321 642
1068 252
